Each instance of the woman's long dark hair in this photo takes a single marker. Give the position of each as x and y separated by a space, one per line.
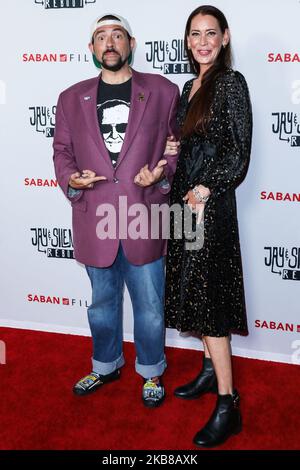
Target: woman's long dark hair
198 115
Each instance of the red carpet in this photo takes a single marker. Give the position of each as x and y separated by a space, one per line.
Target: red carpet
39 411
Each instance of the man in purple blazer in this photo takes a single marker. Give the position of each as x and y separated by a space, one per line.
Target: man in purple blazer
109 144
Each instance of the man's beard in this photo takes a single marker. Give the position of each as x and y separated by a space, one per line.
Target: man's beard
115 67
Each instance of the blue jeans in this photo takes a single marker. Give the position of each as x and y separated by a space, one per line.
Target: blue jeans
146 289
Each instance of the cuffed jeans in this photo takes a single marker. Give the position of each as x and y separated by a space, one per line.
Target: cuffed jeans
146 289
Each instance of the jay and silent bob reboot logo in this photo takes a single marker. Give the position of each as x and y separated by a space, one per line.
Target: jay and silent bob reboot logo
56 4
286 125
285 262
42 119
54 243
168 57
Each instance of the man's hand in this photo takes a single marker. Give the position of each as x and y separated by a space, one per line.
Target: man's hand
145 177
84 180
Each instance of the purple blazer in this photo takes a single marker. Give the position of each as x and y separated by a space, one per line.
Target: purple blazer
78 145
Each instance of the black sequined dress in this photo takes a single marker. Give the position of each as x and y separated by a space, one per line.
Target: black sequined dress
204 288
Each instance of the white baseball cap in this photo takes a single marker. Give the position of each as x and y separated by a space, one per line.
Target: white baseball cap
119 21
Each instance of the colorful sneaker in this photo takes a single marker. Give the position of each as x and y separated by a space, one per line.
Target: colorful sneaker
93 381
153 394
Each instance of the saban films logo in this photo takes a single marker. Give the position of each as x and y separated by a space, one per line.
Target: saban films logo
168 57
284 57
283 261
55 243
279 196
42 118
51 4
54 300
287 127
278 326
40 182
55 57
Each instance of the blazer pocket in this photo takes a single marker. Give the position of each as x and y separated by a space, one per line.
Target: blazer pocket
80 205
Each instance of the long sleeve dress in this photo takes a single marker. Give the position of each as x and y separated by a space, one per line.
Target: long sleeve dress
204 287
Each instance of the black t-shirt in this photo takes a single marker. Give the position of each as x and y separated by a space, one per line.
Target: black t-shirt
113 104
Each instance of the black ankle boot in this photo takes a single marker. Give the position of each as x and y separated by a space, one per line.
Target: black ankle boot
225 421
205 382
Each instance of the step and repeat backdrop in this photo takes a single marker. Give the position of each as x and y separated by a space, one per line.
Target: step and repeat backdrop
44 49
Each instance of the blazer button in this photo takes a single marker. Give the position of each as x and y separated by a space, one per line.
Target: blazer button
115 180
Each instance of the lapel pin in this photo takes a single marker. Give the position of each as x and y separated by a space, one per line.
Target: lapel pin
141 97
86 98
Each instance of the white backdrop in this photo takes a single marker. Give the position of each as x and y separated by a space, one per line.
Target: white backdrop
43 51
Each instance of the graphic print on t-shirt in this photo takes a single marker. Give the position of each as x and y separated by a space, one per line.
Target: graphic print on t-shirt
113 119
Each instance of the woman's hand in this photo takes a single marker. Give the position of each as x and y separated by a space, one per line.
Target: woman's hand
192 200
172 146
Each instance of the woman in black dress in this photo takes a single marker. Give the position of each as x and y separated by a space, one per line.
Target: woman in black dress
204 288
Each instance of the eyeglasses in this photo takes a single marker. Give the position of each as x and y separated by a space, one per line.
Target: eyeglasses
107 128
